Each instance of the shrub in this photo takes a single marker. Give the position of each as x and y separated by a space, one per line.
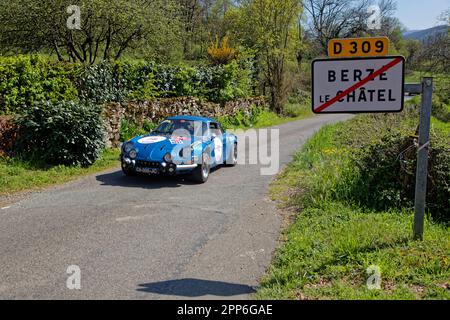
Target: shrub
387 173
242 118
221 53
8 135
138 81
100 83
68 133
26 79
130 129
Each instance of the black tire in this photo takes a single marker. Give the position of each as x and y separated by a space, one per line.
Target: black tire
232 157
201 173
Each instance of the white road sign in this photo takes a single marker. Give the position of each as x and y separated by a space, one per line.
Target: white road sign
352 85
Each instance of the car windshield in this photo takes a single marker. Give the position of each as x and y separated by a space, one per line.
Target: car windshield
168 127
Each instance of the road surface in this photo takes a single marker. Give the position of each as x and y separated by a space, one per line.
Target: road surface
147 238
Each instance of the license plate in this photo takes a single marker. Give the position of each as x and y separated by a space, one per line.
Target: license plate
147 170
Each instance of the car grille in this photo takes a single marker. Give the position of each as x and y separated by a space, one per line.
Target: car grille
147 164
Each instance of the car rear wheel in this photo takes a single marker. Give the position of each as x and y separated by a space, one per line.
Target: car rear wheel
201 173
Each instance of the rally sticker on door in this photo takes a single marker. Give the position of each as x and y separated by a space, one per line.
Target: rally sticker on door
218 146
178 140
150 140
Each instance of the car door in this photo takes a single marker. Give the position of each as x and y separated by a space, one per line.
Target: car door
218 142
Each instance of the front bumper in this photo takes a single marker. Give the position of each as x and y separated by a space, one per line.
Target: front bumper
154 167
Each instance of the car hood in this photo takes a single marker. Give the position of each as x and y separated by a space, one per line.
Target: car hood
154 147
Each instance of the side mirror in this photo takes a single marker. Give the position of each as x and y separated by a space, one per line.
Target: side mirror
213 136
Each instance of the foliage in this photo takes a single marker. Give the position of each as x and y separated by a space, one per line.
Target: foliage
370 163
29 79
100 83
213 83
67 133
130 129
25 79
334 239
387 176
8 134
258 117
221 53
271 29
107 29
242 118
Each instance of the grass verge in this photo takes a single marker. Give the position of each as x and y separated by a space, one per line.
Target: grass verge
17 175
332 241
262 118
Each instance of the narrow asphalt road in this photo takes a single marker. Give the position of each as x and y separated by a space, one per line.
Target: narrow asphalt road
147 238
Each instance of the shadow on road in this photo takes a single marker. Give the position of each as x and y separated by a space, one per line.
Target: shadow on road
195 288
141 181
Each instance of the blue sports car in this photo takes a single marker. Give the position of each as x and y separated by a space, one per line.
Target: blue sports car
180 145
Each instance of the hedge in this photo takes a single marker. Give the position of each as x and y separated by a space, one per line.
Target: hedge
28 79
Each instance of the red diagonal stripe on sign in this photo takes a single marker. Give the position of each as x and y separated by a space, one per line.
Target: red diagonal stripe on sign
359 84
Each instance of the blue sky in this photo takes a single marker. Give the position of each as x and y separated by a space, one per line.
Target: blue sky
420 14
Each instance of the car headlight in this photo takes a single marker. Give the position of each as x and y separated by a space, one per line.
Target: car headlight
133 154
168 157
127 147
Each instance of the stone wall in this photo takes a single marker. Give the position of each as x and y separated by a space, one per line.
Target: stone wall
159 109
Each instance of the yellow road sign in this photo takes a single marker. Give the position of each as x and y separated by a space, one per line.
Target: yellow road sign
358 47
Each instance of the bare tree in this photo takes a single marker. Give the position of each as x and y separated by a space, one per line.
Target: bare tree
435 54
336 18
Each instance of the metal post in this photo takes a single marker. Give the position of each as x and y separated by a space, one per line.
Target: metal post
422 157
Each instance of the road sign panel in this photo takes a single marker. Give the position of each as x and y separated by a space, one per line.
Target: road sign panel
358 47
354 85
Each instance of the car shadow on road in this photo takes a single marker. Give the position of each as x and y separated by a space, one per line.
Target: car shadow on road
117 178
195 288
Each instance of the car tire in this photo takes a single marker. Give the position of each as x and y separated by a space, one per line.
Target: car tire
232 157
201 173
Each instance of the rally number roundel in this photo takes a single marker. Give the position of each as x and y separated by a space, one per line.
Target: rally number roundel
150 140
218 147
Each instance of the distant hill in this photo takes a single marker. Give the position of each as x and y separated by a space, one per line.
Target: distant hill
422 35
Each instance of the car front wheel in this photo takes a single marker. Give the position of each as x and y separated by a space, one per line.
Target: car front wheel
201 173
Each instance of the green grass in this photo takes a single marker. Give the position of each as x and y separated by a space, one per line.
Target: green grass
267 118
329 249
441 126
332 241
17 175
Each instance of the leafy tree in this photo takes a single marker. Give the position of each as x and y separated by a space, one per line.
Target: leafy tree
108 28
270 28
